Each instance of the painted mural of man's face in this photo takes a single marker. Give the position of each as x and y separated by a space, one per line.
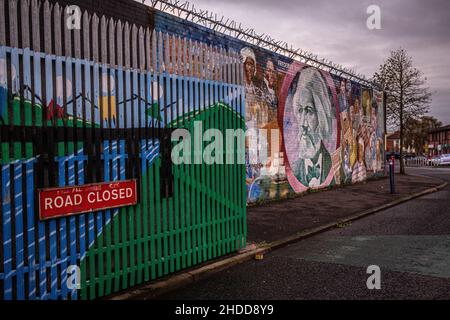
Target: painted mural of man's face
312 108
250 68
349 87
270 74
357 108
343 87
306 115
352 115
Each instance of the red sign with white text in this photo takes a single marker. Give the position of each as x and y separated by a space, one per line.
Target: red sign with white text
67 201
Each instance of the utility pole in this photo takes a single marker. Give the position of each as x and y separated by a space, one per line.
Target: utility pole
402 168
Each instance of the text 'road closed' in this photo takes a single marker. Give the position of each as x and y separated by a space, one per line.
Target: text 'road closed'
58 202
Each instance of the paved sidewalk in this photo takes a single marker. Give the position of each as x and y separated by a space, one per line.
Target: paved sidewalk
281 219
286 221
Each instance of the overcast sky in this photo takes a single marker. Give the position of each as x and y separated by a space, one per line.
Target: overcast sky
337 30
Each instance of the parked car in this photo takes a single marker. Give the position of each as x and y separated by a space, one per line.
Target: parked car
429 162
444 159
434 161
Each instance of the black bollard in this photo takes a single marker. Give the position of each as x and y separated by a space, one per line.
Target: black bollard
391 174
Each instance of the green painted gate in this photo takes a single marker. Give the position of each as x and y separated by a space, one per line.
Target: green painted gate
70 117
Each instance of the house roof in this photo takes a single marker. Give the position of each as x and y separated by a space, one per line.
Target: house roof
444 128
394 136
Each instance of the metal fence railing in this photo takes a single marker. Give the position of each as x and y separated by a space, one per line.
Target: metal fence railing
99 105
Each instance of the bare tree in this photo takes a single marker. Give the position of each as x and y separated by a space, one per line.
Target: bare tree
407 96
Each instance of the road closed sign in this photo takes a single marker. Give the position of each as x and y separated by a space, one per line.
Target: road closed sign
67 201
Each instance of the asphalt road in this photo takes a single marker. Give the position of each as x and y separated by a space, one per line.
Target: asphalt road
410 243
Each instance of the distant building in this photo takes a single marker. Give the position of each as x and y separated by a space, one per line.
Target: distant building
393 142
439 141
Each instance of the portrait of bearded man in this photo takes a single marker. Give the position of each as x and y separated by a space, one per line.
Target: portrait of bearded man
313 111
